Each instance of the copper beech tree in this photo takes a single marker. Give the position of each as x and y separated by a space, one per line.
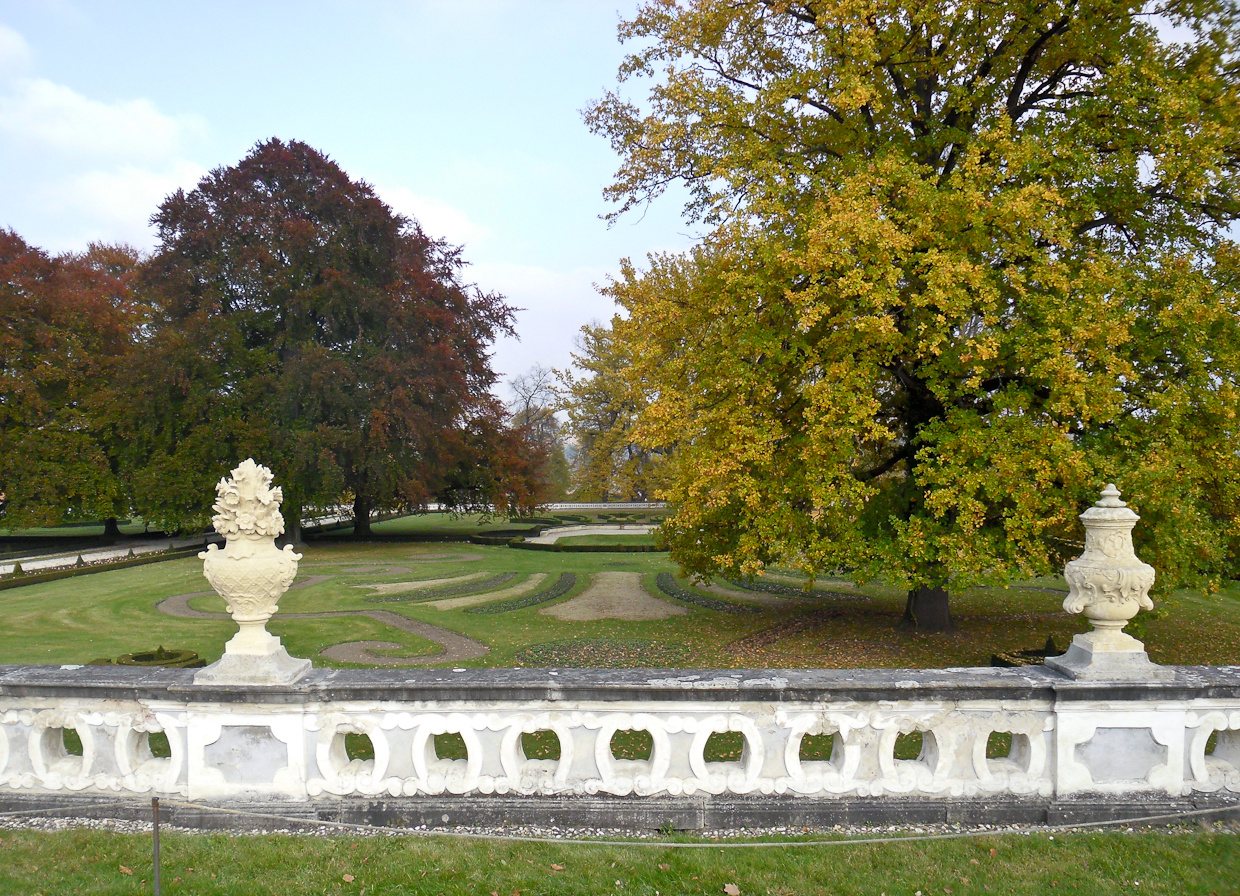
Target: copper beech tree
966 262
298 319
66 329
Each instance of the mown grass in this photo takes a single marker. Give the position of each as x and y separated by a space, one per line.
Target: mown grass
107 614
111 613
101 864
617 538
79 530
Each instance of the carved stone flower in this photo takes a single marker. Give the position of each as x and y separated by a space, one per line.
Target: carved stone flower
247 505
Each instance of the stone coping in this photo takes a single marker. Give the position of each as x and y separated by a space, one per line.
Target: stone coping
555 817
667 685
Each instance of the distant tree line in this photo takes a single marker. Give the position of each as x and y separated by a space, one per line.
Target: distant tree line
287 314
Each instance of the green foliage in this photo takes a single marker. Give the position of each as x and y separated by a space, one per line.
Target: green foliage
969 262
298 319
603 406
224 864
65 329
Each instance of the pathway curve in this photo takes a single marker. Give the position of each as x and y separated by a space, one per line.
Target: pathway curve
454 603
614 595
43 562
456 647
419 584
551 536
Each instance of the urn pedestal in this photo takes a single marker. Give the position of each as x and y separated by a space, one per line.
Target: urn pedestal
1109 585
251 574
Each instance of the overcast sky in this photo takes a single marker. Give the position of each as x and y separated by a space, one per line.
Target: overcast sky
462 113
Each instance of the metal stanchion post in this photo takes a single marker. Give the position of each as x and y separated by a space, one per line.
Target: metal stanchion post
155 843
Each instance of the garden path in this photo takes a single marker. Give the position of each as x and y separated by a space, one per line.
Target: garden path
456 647
454 603
614 595
551 536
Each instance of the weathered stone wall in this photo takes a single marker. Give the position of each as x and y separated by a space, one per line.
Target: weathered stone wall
235 743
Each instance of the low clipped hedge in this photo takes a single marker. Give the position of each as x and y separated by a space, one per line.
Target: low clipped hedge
17 580
556 547
503 536
560 587
783 590
668 585
474 586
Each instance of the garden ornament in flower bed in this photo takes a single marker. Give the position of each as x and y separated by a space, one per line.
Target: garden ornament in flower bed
250 574
1109 585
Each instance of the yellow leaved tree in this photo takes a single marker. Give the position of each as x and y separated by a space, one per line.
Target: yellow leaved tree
967 261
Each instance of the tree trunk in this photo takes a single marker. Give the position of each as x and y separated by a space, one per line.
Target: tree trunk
361 517
927 610
111 528
292 528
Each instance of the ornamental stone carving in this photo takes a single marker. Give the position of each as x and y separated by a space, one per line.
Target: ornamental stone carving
251 574
1109 585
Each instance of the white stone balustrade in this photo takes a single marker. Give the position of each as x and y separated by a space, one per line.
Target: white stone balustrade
232 742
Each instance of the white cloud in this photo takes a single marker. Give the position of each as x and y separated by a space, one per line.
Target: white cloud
119 203
555 305
439 219
15 53
58 117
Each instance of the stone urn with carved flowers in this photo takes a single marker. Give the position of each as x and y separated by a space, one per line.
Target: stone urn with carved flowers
251 574
1109 585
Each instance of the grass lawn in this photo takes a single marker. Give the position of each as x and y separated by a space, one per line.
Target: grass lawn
78 530
845 626
617 538
98 863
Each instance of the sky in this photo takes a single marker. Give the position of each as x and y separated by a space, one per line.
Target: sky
465 114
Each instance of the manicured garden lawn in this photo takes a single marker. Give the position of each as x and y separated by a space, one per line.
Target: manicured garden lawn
78 530
841 625
844 626
99 863
617 538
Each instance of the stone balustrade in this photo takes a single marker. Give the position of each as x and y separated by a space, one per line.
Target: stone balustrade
234 743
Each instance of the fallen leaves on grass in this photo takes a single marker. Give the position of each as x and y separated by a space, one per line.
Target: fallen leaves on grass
125 870
732 889
613 653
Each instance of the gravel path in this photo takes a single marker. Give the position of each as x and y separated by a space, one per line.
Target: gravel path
614 595
265 824
554 535
453 603
420 584
43 562
456 647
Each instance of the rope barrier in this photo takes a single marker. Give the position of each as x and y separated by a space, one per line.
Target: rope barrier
661 844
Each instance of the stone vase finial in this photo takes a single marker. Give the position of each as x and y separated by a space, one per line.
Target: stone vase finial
1109 585
251 574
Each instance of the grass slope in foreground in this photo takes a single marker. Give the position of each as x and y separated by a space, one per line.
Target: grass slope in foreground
100 863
